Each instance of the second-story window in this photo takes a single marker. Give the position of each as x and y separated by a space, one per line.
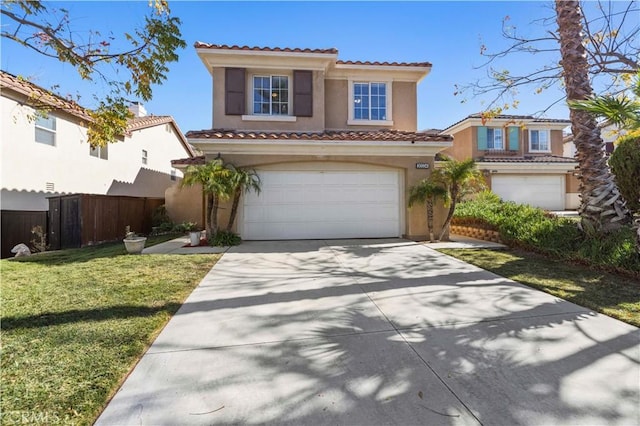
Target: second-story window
144 156
46 130
271 95
99 151
369 101
539 141
494 139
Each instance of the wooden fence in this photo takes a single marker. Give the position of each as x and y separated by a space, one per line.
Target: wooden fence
81 219
16 228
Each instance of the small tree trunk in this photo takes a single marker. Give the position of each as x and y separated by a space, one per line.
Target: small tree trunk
234 209
214 214
452 209
207 209
430 219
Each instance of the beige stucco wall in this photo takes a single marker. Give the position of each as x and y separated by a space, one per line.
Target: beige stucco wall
414 217
29 168
223 121
404 108
185 204
465 144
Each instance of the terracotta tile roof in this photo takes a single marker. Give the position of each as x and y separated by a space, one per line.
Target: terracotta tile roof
513 117
188 161
201 45
39 96
527 159
386 64
138 123
328 135
331 51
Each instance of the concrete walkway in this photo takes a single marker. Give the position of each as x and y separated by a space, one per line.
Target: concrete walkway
177 246
378 332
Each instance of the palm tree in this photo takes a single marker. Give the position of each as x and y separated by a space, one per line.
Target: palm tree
214 178
242 180
428 191
456 176
621 111
602 208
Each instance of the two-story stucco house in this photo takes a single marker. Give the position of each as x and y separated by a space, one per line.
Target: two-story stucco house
334 142
47 156
521 158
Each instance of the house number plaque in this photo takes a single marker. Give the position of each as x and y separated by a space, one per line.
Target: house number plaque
422 165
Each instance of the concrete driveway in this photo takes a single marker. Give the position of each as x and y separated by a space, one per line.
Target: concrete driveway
370 332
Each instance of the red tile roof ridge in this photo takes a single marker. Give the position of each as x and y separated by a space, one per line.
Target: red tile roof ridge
385 64
352 135
202 45
40 95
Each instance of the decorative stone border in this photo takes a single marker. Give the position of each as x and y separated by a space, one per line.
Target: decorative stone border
479 233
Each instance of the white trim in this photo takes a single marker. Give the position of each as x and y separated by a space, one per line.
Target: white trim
389 102
370 122
210 51
548 132
527 168
401 68
282 118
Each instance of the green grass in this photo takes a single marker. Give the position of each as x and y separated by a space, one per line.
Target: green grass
617 296
74 322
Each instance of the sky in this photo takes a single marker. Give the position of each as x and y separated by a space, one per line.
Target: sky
447 34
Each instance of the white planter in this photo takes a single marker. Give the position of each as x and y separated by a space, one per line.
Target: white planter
135 245
195 238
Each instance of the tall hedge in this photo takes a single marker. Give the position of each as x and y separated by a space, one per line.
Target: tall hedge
625 165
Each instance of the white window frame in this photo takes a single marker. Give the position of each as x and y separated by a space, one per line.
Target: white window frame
145 157
491 142
389 98
270 117
101 152
547 132
52 131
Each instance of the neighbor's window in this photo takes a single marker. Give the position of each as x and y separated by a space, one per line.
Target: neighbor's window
46 130
494 139
99 151
144 156
539 141
174 175
369 101
271 95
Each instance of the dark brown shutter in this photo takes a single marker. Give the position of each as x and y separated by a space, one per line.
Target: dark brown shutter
303 93
234 87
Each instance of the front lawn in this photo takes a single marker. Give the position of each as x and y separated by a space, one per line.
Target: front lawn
614 295
74 322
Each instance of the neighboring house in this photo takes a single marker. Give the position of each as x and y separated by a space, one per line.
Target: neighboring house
334 142
608 133
521 158
43 157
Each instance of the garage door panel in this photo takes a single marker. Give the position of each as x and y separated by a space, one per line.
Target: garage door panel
323 204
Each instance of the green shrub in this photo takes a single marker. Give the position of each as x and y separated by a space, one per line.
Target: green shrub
185 227
625 165
532 229
224 238
160 217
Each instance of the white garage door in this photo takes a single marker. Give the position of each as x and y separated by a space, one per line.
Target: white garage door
312 204
544 191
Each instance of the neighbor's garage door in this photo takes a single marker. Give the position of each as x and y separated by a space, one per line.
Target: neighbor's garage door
544 191
314 204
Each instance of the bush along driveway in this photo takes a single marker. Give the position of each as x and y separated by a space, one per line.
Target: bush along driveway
74 322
